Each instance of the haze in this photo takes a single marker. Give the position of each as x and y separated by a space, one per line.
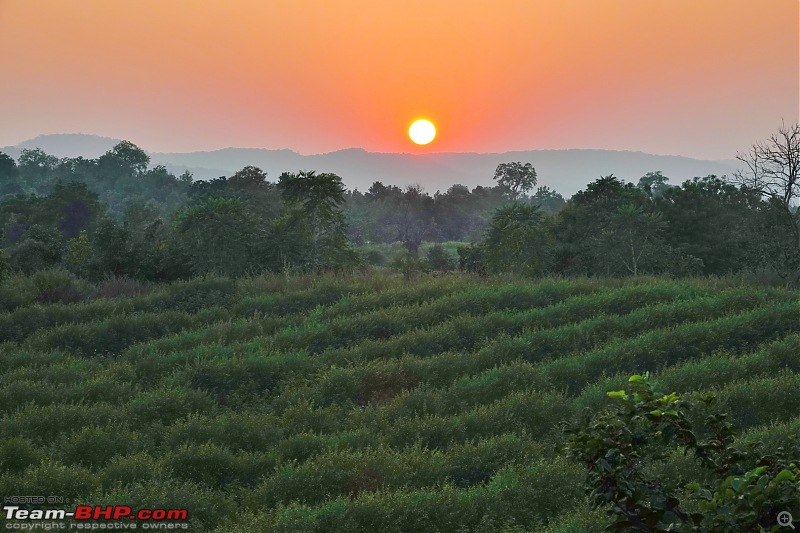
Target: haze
696 78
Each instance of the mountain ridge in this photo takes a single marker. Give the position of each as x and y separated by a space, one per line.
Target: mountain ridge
566 170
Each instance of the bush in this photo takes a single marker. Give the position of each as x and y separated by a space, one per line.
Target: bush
379 388
746 489
471 258
17 454
61 295
126 470
95 446
167 406
118 288
5 270
192 296
51 478
206 507
439 259
206 463
57 286
375 258
409 265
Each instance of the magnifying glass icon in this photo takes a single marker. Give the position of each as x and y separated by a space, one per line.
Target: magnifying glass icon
785 519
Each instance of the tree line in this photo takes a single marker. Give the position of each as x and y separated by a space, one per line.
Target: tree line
115 216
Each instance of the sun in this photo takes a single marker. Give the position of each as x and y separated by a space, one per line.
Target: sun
422 131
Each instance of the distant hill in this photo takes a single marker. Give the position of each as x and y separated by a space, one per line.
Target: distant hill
566 171
65 145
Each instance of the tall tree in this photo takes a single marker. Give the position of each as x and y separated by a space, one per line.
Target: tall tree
517 178
218 236
773 169
548 200
320 197
633 238
582 226
654 184
36 170
517 240
127 157
9 176
714 221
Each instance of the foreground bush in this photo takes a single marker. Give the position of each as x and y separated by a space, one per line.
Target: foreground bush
744 490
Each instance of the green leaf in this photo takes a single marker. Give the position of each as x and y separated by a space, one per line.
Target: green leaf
784 475
617 394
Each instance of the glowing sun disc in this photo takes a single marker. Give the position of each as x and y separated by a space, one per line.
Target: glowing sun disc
422 131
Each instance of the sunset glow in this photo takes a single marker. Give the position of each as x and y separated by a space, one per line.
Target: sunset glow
694 77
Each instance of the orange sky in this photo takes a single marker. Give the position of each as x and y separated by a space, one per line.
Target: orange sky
702 78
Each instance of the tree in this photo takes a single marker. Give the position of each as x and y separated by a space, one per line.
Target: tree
582 227
772 168
633 237
653 184
218 236
412 218
79 253
38 249
36 169
128 157
714 221
735 488
249 178
517 178
517 241
440 259
9 176
5 269
320 197
548 200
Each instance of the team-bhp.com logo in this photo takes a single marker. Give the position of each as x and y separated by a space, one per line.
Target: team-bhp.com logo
87 517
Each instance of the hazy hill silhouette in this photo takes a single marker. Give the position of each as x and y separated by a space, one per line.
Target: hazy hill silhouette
566 171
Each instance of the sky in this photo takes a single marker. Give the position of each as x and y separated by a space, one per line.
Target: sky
700 78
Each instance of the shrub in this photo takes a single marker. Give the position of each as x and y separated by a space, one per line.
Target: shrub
375 258
166 406
409 265
43 424
471 258
62 295
56 278
95 446
206 507
205 463
118 288
300 447
126 470
366 480
439 259
5 270
192 296
17 454
746 491
52 478
379 388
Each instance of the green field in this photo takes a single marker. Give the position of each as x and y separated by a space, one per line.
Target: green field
360 403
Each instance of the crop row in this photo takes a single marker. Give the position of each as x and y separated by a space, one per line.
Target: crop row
490 400
771 322
460 332
533 346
